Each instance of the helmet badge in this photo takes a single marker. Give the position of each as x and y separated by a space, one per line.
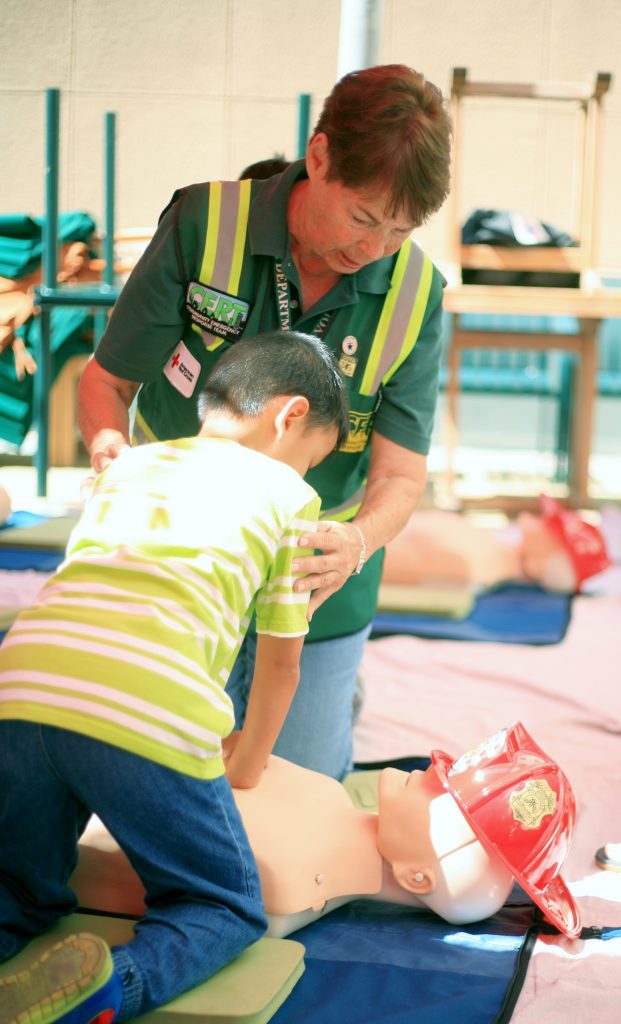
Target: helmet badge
531 804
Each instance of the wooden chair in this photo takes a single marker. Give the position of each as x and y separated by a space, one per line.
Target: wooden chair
587 303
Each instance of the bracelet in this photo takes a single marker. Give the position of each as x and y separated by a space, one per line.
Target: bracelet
363 551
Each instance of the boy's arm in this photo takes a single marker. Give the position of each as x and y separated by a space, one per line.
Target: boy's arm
275 680
281 628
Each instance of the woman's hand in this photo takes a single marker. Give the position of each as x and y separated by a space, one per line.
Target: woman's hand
341 546
106 451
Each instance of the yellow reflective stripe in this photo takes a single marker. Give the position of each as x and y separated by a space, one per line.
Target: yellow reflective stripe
240 236
143 428
384 321
213 229
214 340
344 515
416 318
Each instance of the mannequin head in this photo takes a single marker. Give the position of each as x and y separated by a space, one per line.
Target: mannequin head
560 549
433 851
458 834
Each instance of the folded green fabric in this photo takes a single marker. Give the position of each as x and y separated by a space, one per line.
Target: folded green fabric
71 335
21 239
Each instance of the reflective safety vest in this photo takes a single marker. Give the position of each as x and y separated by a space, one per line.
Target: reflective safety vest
230 293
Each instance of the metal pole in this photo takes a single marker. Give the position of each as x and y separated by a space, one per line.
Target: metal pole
43 376
359 35
110 144
304 102
101 317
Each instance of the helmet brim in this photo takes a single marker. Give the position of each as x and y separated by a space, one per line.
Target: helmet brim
555 901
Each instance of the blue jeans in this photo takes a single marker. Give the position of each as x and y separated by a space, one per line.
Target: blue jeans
317 733
183 836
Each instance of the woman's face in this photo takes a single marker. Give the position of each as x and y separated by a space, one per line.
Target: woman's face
342 228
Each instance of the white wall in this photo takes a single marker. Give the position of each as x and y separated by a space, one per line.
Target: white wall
202 88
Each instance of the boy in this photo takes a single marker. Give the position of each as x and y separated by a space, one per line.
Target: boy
112 693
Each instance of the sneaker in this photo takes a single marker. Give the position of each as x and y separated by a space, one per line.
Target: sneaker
609 857
74 982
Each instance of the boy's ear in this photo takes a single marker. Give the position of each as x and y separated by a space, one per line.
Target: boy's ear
294 409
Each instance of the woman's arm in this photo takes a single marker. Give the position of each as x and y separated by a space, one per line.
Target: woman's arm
103 413
396 481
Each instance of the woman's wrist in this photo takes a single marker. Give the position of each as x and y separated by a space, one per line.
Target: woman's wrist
363 551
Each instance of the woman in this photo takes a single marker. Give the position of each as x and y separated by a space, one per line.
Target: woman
323 248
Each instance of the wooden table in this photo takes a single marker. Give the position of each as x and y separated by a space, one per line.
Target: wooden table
589 307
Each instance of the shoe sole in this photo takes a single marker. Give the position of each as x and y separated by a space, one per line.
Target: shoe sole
55 984
605 862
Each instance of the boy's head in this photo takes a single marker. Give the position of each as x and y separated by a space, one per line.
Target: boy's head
288 385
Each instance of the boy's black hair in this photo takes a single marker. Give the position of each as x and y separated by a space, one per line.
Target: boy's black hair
265 168
255 370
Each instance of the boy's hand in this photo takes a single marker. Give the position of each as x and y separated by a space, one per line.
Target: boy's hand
240 774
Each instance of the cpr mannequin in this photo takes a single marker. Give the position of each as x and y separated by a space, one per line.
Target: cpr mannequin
548 549
418 850
442 839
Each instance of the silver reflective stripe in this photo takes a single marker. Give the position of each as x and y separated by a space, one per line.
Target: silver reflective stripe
225 248
224 243
402 313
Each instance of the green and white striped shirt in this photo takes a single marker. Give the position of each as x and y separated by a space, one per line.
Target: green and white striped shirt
133 639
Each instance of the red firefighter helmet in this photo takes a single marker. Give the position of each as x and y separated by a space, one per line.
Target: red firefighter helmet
583 542
522 809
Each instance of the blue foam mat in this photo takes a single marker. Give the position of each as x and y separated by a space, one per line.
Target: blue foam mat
26 557
511 614
29 558
377 963
21 518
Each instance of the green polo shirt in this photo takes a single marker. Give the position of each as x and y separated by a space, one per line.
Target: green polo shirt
154 337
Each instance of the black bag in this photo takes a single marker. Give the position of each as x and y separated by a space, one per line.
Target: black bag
513 230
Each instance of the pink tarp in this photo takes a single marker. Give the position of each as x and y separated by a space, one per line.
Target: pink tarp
421 694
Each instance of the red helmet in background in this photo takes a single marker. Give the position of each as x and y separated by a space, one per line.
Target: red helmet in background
583 542
522 809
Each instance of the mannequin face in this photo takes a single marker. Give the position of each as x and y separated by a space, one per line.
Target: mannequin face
433 851
419 822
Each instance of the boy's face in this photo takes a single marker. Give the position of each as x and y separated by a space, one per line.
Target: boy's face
313 445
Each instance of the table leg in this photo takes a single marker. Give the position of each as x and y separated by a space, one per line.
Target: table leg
450 418
585 384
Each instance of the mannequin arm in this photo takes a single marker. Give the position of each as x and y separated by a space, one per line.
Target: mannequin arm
275 680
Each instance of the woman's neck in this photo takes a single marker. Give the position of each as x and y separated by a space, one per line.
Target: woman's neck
316 277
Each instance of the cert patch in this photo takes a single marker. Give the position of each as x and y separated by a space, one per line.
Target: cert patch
182 370
216 312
